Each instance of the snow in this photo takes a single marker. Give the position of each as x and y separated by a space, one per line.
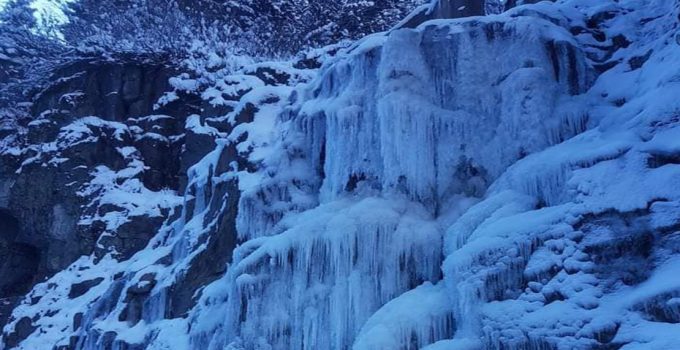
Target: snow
184 83
455 344
418 317
664 142
195 125
424 192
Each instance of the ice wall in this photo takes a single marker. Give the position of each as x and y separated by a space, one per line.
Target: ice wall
436 111
394 139
571 246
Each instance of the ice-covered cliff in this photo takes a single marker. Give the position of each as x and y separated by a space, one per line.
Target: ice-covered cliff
509 181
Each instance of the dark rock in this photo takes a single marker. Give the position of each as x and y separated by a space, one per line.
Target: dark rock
599 36
19 266
664 307
221 124
79 289
620 245
314 59
6 307
163 169
597 19
164 125
553 296
107 340
109 208
637 61
102 150
607 334
246 114
444 9
215 110
657 160
111 89
197 146
47 213
271 76
135 298
130 237
77 320
144 286
22 329
308 63
221 240
620 41
601 68
42 130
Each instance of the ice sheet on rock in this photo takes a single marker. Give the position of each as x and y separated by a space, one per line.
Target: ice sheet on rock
418 114
413 320
333 267
455 344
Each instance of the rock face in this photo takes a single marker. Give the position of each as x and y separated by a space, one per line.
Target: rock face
471 183
112 90
113 144
21 262
52 210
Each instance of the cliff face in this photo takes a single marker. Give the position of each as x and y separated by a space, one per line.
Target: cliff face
500 182
61 169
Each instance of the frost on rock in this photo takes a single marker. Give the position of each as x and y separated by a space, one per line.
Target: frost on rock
131 292
501 182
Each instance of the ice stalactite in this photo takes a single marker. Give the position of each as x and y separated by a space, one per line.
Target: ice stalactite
404 121
345 260
417 113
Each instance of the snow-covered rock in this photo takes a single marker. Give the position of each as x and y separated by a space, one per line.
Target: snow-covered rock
508 181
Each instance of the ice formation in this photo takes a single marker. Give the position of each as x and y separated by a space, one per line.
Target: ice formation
473 183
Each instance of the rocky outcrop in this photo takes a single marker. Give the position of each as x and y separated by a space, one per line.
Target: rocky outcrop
113 143
52 210
113 90
450 9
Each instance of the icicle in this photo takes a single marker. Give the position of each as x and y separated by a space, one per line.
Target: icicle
331 272
154 307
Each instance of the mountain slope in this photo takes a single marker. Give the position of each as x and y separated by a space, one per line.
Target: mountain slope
499 182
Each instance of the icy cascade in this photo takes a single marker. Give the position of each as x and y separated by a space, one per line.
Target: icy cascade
592 270
435 111
460 185
330 271
417 318
509 266
400 128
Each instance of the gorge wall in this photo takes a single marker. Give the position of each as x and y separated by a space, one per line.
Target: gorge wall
508 181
